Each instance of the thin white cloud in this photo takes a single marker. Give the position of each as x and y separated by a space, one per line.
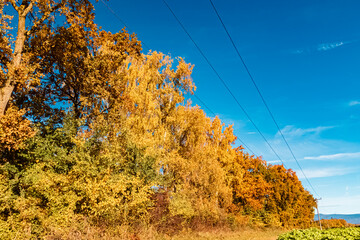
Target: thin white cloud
238 124
274 162
298 51
329 178
329 46
292 131
354 103
324 172
321 47
340 205
337 156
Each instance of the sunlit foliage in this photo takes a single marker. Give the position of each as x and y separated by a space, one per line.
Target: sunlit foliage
316 234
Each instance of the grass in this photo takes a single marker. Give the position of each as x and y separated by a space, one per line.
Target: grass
244 234
124 233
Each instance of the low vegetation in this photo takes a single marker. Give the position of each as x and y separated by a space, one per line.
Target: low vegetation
316 234
333 223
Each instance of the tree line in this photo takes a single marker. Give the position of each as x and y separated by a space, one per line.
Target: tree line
94 132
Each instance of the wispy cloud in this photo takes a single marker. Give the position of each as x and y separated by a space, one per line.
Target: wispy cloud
291 131
329 46
325 172
298 51
336 156
340 205
321 47
354 103
328 177
238 124
274 162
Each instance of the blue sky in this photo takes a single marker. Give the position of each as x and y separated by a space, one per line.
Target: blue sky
304 56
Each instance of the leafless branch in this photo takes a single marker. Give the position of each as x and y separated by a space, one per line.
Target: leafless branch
28 8
13 3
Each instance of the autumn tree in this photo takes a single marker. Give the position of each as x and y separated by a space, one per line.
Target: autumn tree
249 186
289 202
194 168
24 64
16 69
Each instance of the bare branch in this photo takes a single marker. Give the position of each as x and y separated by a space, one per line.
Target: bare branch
45 16
58 5
13 3
28 8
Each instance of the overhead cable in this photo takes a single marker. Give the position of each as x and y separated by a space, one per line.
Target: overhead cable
261 96
222 81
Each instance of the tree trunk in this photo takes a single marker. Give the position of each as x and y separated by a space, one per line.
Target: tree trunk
6 91
5 95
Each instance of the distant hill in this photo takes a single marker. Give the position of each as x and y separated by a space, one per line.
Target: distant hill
350 218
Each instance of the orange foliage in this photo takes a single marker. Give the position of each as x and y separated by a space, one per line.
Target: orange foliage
14 130
333 223
249 186
289 200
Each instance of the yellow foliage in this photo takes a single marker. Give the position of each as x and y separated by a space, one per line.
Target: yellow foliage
14 130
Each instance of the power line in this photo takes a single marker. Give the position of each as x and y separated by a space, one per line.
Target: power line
261 96
114 13
202 102
241 141
119 18
223 82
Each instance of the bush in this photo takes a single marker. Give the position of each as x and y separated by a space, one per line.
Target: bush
332 223
316 234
